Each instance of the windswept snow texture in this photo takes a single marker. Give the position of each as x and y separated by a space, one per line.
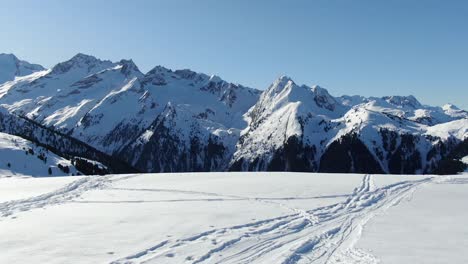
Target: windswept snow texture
19 156
234 218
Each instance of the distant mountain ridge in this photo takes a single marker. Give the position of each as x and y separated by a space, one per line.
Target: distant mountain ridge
12 67
173 121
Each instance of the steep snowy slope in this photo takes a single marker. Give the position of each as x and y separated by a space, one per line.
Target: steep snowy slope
286 128
11 67
21 157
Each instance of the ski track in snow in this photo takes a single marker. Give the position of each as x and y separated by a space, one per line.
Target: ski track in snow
321 235
67 193
64 194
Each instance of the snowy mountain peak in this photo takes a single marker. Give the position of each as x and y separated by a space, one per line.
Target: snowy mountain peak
448 107
83 61
283 78
279 85
156 76
187 74
454 112
215 78
283 81
284 91
403 101
319 90
7 56
323 98
159 69
11 67
128 67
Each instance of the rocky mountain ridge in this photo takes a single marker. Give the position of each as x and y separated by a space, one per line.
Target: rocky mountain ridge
173 121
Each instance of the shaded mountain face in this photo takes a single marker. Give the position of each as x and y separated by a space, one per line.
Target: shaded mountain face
11 67
173 121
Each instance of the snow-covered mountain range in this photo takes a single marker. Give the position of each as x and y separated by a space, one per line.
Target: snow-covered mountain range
168 121
304 128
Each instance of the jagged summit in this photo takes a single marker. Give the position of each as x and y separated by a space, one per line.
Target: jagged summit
323 99
158 69
403 101
283 79
129 67
280 83
188 74
83 57
215 78
9 56
81 61
284 91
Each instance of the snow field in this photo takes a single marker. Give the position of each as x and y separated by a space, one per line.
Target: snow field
210 217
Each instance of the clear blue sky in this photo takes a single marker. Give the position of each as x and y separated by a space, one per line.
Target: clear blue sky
371 48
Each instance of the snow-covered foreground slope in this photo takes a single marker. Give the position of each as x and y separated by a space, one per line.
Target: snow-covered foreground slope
227 218
19 156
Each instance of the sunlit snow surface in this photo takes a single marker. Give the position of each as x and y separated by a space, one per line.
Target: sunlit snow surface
234 218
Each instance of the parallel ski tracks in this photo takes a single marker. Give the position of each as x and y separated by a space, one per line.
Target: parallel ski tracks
320 235
325 234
